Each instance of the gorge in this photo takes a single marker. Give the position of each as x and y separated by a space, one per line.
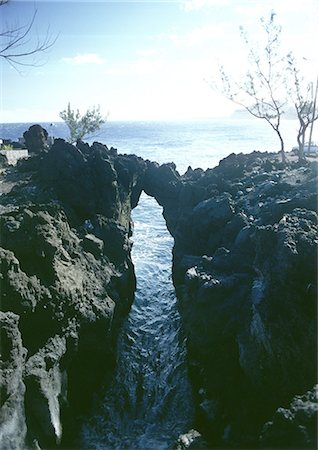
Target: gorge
244 270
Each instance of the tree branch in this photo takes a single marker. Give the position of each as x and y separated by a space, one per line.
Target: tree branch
15 40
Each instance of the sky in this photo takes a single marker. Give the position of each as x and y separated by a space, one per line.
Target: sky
141 60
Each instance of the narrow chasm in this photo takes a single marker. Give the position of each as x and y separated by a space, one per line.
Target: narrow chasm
149 402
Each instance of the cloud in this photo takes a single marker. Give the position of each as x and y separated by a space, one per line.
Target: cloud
139 67
147 52
199 35
203 34
85 58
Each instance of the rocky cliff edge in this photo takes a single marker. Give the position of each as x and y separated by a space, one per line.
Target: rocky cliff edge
244 268
245 272
67 282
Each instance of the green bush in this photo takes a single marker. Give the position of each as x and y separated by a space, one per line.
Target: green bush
7 147
81 125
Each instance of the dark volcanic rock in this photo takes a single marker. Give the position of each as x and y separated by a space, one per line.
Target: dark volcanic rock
95 182
244 267
191 440
294 427
93 245
67 283
12 388
3 161
245 271
163 183
36 139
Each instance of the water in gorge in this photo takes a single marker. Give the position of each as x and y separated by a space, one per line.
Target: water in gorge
149 403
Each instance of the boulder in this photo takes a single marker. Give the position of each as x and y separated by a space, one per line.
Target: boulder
36 139
3 161
191 440
293 427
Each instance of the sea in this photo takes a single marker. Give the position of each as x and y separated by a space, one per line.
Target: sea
149 402
199 143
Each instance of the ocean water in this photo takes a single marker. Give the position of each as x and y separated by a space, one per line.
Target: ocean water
187 143
149 402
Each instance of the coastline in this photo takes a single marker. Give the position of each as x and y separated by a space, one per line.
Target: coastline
244 264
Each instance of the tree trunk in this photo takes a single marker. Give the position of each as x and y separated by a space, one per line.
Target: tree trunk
301 144
282 147
301 138
313 115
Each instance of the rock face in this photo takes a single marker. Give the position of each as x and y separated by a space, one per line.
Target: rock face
12 413
245 260
36 139
3 161
244 268
293 427
191 440
67 282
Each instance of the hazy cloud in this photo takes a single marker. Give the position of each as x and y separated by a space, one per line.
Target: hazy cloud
139 67
198 35
85 58
147 52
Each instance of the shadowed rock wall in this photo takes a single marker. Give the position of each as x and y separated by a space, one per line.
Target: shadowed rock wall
67 282
245 272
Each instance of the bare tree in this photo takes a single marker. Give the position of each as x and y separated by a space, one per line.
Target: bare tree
18 47
261 89
304 100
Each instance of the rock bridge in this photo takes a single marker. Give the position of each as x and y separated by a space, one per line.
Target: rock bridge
94 180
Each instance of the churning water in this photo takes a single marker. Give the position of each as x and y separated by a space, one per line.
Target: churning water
149 402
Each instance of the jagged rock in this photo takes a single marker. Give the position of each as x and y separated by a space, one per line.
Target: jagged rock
67 272
13 427
93 245
46 391
294 427
36 139
244 267
244 271
66 169
3 161
191 440
163 183
109 183
159 180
